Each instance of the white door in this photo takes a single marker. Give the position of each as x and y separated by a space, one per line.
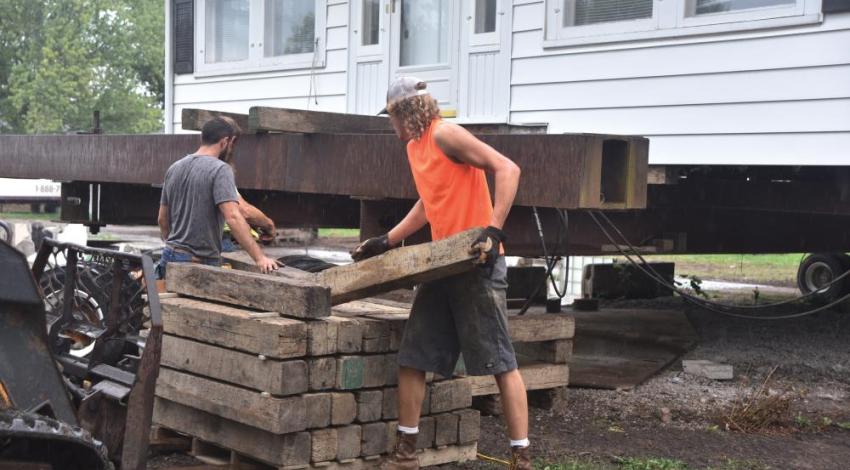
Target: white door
424 42
403 37
368 76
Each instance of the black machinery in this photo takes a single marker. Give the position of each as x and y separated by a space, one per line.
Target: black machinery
80 341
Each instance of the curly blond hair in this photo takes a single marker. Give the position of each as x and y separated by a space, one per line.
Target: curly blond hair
416 113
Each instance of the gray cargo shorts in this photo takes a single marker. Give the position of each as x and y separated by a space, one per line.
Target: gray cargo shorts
465 313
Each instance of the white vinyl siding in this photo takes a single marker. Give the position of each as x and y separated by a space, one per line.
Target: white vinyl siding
321 88
766 97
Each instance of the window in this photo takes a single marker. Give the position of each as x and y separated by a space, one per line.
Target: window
578 22
584 12
485 24
256 35
424 32
707 7
371 19
589 18
705 12
226 31
485 16
290 27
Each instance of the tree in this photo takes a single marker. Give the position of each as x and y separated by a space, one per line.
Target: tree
62 59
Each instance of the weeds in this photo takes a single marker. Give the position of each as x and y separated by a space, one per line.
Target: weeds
818 425
695 283
802 421
570 465
651 464
760 411
740 465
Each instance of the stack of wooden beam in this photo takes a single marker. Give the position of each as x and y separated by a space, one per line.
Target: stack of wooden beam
258 365
305 389
269 368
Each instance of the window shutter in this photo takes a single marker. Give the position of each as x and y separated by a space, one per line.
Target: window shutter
184 36
836 6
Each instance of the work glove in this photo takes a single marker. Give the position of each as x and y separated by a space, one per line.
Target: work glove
268 235
371 247
486 247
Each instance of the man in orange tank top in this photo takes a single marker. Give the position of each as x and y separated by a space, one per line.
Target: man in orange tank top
465 313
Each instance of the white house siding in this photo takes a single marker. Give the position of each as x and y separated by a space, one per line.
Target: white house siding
769 97
286 88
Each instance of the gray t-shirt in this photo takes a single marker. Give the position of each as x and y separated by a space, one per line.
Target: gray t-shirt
194 187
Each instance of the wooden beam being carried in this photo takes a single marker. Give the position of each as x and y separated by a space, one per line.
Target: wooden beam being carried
262 119
194 119
400 267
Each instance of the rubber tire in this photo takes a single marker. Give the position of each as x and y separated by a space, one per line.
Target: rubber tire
6 231
832 264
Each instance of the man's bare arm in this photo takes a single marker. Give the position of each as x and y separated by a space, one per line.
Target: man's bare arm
162 220
410 224
459 144
242 232
255 217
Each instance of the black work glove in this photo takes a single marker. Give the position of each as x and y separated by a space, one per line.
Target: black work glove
371 247
486 247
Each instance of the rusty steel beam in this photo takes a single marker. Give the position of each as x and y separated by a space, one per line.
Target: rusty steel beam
692 230
830 195
98 204
564 171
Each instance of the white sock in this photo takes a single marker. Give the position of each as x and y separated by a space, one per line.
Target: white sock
408 430
519 443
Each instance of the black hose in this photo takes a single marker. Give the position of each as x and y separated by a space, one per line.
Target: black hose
550 262
711 306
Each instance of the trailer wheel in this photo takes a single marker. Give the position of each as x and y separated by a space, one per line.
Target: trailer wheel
5 232
818 270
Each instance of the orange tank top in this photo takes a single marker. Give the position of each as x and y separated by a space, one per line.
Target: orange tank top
455 195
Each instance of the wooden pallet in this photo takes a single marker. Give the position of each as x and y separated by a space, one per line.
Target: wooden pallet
216 456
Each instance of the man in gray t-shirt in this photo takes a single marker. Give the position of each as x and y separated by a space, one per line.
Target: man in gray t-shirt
198 196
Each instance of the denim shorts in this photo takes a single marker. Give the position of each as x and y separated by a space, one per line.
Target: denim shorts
465 313
169 255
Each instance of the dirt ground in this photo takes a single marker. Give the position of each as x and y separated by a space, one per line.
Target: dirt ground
598 429
812 360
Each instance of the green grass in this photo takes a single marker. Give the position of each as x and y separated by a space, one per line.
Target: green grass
759 269
573 464
339 232
650 463
7 216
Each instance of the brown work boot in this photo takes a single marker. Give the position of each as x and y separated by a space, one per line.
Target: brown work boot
520 458
404 456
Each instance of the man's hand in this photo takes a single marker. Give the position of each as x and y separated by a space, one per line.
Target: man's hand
371 247
486 247
267 264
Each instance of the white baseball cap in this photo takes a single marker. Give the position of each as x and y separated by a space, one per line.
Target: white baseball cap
402 88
